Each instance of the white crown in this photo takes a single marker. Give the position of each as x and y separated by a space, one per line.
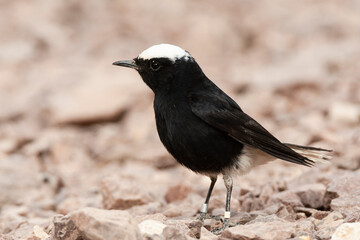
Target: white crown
169 51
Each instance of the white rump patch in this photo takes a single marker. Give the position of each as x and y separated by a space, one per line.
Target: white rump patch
248 159
169 51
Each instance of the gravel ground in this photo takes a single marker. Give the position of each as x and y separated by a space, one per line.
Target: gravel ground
80 158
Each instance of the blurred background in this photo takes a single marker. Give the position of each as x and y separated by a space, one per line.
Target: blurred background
71 124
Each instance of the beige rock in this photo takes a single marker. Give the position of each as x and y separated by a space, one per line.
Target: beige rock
151 227
155 217
177 193
93 101
149 209
64 229
343 193
328 225
240 218
123 193
311 195
172 233
40 233
347 231
345 112
287 198
305 227
277 229
98 224
207 235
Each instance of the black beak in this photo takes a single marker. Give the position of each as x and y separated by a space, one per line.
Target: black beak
126 63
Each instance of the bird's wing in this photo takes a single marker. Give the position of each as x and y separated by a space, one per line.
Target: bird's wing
221 112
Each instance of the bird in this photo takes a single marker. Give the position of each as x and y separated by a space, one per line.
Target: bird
203 128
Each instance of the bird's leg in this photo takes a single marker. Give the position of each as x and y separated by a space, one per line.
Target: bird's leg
228 184
203 211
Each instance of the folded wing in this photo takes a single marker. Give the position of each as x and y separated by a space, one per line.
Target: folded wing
221 112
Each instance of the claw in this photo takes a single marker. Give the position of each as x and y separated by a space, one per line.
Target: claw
204 216
218 231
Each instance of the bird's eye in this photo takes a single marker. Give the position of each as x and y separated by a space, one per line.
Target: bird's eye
154 65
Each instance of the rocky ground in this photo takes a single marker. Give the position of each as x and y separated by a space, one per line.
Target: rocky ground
79 154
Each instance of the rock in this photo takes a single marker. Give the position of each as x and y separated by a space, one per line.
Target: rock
287 198
347 231
94 101
252 204
73 203
187 208
240 218
305 227
65 229
320 215
149 209
207 235
345 112
164 162
177 193
151 227
98 224
311 195
343 193
276 229
172 233
195 229
123 193
353 217
317 214
22 177
157 217
270 189
286 212
300 215
40 233
327 226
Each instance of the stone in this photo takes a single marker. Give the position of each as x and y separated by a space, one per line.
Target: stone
151 227
311 195
99 224
172 233
207 235
286 212
94 101
343 193
149 209
65 229
177 193
345 112
195 229
40 233
287 198
252 204
240 218
327 226
157 217
123 193
277 229
347 231
164 162
181 224
187 208
305 227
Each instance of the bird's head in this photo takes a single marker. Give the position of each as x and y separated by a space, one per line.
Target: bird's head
162 66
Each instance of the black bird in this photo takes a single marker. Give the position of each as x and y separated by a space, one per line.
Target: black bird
202 127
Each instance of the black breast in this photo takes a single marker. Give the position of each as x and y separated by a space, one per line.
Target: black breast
191 141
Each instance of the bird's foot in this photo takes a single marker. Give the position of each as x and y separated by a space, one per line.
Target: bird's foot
218 231
204 216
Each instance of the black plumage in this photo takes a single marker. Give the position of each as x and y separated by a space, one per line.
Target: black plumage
200 125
